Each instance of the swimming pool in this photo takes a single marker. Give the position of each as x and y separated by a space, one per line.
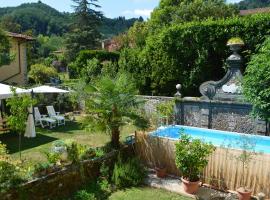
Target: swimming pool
260 144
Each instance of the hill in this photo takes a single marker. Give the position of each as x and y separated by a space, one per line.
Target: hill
250 4
40 18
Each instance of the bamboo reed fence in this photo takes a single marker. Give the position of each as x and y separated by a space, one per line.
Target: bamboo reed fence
223 171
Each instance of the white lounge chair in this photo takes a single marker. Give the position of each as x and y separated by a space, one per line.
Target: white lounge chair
43 120
56 115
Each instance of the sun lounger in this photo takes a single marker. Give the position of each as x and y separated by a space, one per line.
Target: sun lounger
56 115
43 120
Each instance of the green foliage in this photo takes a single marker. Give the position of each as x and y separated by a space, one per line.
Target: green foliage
38 17
18 113
251 4
84 34
84 195
99 56
5 56
192 156
135 62
53 157
3 151
190 53
174 11
11 175
73 153
111 27
41 73
91 70
166 108
45 20
256 83
165 111
47 44
128 173
112 104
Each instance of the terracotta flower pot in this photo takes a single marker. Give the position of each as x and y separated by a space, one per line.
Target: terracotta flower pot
244 194
190 187
161 172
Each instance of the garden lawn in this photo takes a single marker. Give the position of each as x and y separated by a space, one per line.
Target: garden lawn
146 193
33 148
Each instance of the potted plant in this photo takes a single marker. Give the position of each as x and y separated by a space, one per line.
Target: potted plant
247 146
191 158
161 171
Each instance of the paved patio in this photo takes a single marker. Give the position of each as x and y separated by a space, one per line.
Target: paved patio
174 184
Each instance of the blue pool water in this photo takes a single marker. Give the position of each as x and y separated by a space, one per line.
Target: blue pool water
260 144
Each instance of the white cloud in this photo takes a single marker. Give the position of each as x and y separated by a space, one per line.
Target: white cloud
138 12
144 12
127 12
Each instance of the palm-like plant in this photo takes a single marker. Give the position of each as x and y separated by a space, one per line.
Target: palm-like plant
112 104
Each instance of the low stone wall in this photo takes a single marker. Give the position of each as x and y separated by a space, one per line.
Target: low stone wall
64 183
220 115
151 103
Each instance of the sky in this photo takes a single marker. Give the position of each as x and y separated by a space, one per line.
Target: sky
110 8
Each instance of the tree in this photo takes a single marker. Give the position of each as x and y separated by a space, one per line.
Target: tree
175 11
41 73
18 113
112 104
8 23
84 34
256 83
5 56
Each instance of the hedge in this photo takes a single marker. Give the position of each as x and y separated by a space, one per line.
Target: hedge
191 53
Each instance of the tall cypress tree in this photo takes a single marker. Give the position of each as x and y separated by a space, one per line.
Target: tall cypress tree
84 30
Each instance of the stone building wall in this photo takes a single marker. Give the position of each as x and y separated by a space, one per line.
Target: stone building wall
220 115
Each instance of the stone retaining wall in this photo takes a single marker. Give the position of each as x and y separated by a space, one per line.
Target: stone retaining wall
64 183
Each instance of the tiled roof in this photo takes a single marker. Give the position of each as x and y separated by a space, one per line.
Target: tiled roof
255 11
20 36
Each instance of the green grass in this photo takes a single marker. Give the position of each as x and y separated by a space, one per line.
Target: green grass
33 148
146 193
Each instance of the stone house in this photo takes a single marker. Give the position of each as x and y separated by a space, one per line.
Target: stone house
16 72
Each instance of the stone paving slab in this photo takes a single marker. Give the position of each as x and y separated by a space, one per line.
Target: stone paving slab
173 184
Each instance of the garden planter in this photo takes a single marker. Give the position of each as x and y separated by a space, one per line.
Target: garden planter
243 194
161 172
190 187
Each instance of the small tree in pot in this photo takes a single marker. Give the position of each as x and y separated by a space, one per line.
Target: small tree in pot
191 158
247 146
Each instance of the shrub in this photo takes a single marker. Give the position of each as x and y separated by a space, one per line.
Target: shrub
3 151
190 53
81 61
192 156
84 195
53 157
41 74
128 173
91 70
256 83
165 110
9 176
75 152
